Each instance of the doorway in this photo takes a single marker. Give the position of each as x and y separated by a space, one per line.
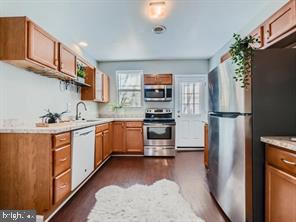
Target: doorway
190 111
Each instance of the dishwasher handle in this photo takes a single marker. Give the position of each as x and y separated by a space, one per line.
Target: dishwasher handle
85 133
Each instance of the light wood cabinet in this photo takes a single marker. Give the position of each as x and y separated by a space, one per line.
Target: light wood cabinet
134 141
67 61
106 143
119 137
258 33
61 160
62 186
158 79
206 149
280 22
98 149
280 185
100 87
42 47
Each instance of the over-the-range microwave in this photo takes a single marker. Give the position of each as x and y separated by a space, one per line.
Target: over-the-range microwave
154 93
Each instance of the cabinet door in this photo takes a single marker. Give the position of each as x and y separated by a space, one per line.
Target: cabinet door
42 47
134 140
150 79
105 88
118 137
67 61
258 33
99 149
106 144
280 195
165 79
281 22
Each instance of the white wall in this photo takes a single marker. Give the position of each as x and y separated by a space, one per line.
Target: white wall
25 95
162 66
255 22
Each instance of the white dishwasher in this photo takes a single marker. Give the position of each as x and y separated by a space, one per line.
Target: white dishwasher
83 152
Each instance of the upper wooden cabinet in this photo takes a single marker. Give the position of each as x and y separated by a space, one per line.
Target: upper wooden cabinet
158 79
25 44
67 60
100 87
42 47
258 33
280 22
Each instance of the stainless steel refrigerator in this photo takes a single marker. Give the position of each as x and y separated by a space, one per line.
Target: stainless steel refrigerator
237 118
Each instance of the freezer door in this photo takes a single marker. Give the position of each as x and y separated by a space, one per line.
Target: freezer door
225 94
228 138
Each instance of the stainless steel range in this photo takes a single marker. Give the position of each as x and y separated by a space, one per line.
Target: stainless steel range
159 133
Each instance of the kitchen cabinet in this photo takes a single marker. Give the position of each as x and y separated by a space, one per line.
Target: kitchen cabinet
134 137
26 45
158 79
104 141
258 33
42 47
280 185
67 61
99 90
62 186
99 149
206 149
280 22
118 137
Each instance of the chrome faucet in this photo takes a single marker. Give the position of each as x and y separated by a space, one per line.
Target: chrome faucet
78 114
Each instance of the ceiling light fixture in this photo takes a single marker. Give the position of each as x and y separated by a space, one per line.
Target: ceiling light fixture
83 44
157 9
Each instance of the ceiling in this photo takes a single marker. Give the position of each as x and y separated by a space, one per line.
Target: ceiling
121 29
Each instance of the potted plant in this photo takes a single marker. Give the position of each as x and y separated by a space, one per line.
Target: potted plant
50 117
81 73
241 52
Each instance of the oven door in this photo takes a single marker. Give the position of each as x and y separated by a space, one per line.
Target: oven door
159 134
154 93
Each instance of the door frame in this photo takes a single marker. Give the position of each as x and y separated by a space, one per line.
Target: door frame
176 101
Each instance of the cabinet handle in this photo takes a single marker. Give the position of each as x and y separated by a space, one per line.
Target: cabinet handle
62 139
63 186
288 162
62 160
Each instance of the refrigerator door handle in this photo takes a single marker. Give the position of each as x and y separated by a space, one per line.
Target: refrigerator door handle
225 115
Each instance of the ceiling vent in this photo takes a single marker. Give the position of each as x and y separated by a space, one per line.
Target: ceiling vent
159 29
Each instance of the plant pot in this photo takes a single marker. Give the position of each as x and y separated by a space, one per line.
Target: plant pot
80 79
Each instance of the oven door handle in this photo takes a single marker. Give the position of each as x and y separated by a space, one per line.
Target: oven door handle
159 124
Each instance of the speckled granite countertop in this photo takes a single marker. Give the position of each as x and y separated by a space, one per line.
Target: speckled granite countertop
280 141
60 129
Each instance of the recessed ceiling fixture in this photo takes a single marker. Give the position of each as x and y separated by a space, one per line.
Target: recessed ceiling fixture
83 44
157 9
159 29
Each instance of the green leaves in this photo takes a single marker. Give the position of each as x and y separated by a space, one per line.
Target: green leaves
241 51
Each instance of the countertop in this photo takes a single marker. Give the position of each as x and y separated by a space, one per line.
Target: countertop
60 129
280 141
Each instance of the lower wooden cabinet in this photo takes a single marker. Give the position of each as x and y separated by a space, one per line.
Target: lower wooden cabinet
61 159
118 137
62 186
134 141
106 143
99 149
280 185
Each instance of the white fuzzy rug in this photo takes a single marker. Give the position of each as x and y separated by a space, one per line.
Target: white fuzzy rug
160 202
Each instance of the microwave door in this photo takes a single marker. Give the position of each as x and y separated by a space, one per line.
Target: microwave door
154 94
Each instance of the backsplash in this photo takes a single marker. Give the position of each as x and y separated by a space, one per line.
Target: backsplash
24 96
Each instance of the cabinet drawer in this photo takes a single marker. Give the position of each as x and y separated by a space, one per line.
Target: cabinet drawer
62 186
61 160
102 127
281 159
134 124
61 139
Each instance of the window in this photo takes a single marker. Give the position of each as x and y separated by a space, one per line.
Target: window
129 88
191 98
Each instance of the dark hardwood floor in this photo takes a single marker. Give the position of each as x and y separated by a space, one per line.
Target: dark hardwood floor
186 169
